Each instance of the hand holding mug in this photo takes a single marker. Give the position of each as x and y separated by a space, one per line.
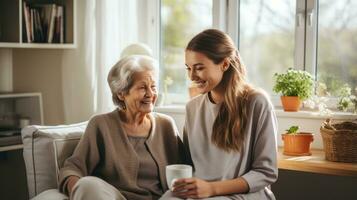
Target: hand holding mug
175 172
192 188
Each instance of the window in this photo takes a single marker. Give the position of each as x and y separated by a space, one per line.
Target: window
318 36
180 21
267 30
337 44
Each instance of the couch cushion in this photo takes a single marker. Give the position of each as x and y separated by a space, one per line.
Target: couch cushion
39 153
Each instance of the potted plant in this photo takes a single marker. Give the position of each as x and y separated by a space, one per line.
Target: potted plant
295 86
347 99
297 143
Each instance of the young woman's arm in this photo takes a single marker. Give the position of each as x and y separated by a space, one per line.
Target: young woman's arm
198 188
233 186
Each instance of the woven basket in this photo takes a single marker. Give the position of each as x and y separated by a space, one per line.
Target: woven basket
340 141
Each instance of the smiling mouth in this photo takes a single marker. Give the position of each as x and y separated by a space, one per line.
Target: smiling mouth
146 102
199 84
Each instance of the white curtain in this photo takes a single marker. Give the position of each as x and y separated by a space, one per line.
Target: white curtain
104 28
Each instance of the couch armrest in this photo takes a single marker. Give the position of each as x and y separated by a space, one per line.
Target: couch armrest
39 153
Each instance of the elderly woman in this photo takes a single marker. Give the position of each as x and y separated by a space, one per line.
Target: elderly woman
123 154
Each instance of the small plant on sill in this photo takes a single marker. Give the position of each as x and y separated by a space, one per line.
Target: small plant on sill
347 99
297 143
294 86
319 100
294 83
292 130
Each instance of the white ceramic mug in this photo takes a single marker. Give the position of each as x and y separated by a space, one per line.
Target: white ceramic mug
23 122
178 171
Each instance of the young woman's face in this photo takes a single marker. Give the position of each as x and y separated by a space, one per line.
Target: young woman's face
142 94
205 74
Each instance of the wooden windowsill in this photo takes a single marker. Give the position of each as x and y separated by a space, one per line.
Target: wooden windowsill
316 163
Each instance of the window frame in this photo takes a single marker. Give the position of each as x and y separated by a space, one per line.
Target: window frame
305 50
154 38
226 17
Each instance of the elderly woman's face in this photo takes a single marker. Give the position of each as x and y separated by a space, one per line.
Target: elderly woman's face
142 94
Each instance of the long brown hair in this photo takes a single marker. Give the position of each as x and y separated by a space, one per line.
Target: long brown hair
217 46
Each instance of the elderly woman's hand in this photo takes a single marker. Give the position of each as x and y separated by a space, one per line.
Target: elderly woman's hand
72 180
192 188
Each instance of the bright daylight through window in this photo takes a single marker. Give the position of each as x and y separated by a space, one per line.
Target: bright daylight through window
318 36
337 44
180 21
266 39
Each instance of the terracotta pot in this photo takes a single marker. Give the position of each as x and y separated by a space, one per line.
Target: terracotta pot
291 103
297 144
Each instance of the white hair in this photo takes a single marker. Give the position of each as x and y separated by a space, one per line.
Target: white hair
120 77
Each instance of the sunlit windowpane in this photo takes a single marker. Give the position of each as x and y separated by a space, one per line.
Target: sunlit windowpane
180 21
337 44
267 39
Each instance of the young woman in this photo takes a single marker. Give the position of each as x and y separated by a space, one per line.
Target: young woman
230 128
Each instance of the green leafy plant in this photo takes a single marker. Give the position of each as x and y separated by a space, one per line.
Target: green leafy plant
320 99
294 83
292 130
346 99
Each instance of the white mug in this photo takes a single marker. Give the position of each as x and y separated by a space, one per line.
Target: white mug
178 171
23 122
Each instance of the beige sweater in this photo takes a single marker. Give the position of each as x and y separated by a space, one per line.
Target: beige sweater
104 151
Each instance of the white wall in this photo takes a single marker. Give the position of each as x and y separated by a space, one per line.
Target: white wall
39 70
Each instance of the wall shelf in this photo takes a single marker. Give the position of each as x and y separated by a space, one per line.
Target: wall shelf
37 46
14 35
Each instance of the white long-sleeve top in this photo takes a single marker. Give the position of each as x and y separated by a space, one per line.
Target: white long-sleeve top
257 160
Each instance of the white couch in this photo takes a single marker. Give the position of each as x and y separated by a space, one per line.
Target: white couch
45 150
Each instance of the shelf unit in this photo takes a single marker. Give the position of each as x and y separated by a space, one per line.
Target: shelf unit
23 104
20 105
13 35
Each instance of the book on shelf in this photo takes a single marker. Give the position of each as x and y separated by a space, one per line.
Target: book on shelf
61 24
52 24
32 25
45 15
58 30
44 23
38 32
27 22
